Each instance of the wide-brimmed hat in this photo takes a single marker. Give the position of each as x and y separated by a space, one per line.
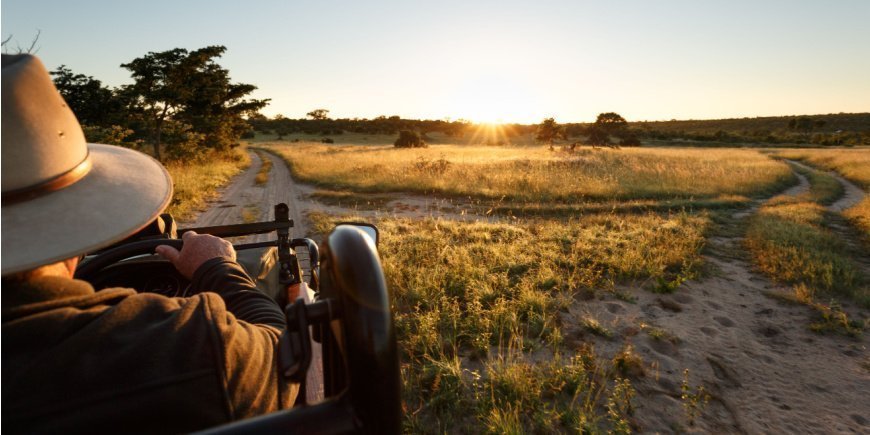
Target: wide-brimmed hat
62 196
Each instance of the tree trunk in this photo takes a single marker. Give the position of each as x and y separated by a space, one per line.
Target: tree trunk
158 132
157 141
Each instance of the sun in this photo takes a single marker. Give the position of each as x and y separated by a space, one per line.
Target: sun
493 100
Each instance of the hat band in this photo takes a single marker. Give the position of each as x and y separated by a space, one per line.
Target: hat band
51 185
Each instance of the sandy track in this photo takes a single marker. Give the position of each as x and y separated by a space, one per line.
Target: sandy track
243 193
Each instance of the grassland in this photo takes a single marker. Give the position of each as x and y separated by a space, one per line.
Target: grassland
195 182
536 175
481 302
853 164
790 240
492 314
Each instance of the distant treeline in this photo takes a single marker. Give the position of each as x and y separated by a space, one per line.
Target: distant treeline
282 126
831 129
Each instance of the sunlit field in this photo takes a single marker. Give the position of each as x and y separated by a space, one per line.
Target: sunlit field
481 310
480 324
536 174
854 164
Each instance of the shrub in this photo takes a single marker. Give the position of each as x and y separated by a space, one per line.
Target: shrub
409 139
327 140
630 140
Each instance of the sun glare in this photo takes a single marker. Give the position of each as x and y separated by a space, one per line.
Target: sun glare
493 100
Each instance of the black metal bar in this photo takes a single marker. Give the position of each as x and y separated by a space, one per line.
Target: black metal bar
255 245
331 417
319 312
290 272
351 272
237 230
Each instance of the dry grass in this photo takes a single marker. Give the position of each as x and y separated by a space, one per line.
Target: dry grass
197 182
265 168
852 163
789 244
480 299
859 215
535 174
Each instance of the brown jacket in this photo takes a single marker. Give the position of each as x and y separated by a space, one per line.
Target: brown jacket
76 360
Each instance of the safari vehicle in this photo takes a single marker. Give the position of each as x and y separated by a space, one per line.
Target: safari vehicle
349 316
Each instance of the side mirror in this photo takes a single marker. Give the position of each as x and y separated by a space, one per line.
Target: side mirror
367 229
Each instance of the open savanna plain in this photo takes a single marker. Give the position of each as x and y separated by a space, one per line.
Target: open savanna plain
601 290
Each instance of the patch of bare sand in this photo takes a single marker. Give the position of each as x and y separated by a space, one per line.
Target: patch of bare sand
764 370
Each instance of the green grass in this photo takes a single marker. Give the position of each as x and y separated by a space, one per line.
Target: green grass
535 175
480 299
789 244
854 165
824 188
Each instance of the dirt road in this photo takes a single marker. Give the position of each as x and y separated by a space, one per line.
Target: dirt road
243 200
764 370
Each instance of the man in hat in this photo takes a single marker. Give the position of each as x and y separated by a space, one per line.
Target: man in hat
114 360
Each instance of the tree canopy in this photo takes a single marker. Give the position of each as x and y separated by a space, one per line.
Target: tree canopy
190 89
318 114
549 131
181 102
93 103
610 124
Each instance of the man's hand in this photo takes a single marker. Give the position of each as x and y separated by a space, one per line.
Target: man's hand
197 249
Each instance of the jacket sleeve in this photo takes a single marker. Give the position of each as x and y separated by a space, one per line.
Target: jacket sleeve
248 325
241 297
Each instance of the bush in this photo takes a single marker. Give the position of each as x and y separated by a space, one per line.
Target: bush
327 140
409 139
630 140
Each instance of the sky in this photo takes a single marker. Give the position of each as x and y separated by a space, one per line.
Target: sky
486 61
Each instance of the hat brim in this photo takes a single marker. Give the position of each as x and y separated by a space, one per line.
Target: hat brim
124 191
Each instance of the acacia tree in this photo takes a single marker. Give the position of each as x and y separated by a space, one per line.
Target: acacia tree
548 132
605 125
318 114
194 93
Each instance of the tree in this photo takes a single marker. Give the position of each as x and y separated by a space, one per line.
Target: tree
190 89
548 132
318 114
409 139
605 125
93 103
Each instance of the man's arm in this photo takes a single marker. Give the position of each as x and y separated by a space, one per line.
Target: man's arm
253 384
210 263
